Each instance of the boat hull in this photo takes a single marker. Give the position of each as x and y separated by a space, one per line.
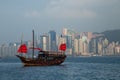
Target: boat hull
42 62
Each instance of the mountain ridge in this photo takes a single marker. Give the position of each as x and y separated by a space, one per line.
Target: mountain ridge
112 35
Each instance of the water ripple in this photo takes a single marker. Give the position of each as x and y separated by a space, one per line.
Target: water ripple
71 69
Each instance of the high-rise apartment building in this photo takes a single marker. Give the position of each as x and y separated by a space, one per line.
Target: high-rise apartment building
8 50
90 35
44 42
52 41
93 46
80 48
65 31
69 41
75 48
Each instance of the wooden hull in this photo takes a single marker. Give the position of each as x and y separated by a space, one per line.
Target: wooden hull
46 61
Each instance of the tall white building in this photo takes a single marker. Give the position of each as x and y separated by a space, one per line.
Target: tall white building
75 50
8 50
81 48
65 31
44 42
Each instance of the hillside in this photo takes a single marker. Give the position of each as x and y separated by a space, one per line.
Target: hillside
112 35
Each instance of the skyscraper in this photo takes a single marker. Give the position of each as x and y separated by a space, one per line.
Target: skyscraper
80 48
65 31
94 46
69 41
44 42
52 40
75 50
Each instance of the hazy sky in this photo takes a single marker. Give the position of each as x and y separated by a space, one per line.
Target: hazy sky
20 16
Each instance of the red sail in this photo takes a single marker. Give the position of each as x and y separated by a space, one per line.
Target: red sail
62 47
22 49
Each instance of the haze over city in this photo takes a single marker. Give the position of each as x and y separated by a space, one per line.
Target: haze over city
20 17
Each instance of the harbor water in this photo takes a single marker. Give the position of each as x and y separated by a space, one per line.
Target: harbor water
74 68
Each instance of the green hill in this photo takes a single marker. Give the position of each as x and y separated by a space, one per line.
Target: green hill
112 35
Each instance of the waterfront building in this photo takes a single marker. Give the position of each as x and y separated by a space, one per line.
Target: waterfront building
12 50
52 41
105 43
75 48
93 46
83 46
117 49
100 48
8 50
86 48
80 44
69 44
44 42
4 50
89 36
69 41
110 49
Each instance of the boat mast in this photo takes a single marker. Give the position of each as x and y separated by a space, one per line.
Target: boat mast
33 45
22 41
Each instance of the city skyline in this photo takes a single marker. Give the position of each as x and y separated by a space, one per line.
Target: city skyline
78 44
17 17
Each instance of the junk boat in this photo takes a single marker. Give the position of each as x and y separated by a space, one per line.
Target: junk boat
44 58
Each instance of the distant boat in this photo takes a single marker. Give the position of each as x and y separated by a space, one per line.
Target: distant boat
44 58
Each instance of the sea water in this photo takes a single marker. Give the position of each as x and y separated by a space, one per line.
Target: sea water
74 68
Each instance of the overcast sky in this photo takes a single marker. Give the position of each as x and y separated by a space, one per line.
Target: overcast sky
20 16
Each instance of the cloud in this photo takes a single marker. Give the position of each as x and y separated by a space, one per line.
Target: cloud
33 13
70 9
64 9
74 9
